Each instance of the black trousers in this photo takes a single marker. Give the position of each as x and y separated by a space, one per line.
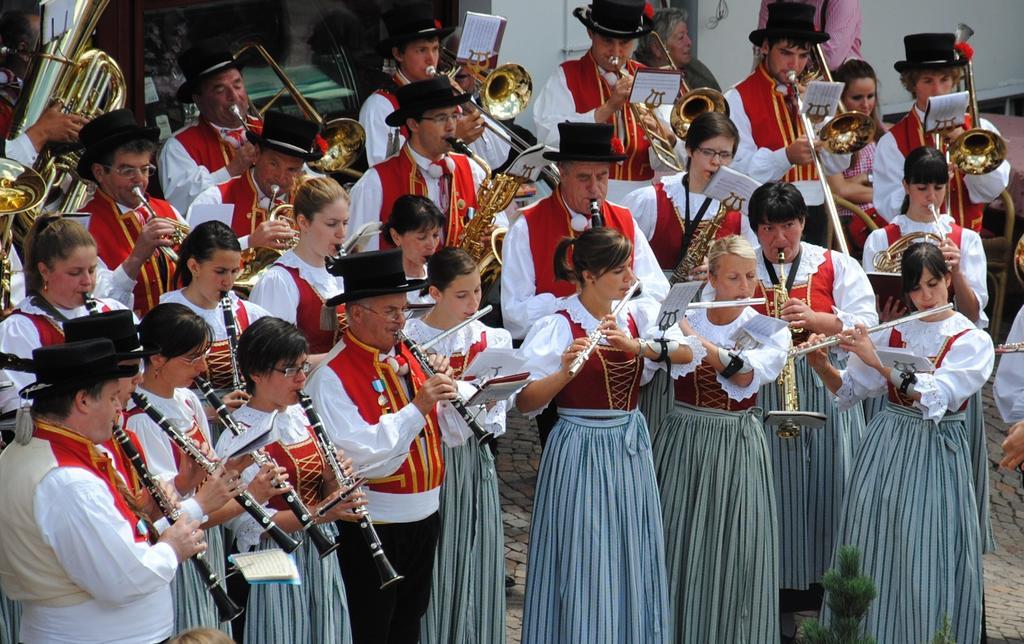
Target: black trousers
391 615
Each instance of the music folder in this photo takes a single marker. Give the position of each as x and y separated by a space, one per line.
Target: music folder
498 389
886 286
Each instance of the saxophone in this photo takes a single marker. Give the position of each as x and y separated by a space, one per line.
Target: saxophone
493 196
788 428
699 246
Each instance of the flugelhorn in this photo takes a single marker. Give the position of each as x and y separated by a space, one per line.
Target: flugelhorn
181 229
597 334
833 340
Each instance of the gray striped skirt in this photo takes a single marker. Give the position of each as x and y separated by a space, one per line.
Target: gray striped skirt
314 611
721 530
910 511
596 567
10 619
467 591
810 472
656 400
979 469
193 606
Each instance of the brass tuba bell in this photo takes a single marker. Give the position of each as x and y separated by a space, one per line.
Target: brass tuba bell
694 103
21 193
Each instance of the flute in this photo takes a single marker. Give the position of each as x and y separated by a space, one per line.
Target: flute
386 571
726 304
597 334
229 325
324 545
227 610
245 499
1011 347
833 340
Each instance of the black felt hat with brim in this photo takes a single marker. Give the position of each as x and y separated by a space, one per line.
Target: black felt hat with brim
372 274
791 20
929 51
116 326
585 142
615 18
289 135
199 63
416 98
73 366
108 132
408 22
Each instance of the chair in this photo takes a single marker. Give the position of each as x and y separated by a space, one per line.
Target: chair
999 261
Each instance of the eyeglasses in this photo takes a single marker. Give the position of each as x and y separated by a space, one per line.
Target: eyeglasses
194 360
129 171
291 372
724 155
441 119
390 313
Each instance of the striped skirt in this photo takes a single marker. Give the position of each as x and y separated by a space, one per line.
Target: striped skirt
467 592
979 469
314 611
193 605
656 400
596 567
10 619
721 528
910 511
810 472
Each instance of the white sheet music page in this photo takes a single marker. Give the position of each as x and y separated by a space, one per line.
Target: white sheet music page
272 566
765 330
731 187
493 362
945 112
529 164
674 306
57 17
821 99
656 87
902 359
204 212
480 41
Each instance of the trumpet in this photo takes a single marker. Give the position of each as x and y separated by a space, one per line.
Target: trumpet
181 229
833 340
597 334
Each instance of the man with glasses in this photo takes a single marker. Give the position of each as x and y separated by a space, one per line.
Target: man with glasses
379 406
285 146
425 165
118 157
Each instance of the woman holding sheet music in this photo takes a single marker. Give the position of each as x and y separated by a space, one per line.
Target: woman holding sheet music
714 470
910 507
467 597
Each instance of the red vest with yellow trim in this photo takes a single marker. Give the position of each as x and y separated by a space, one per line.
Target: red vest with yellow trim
49 330
816 292
770 121
610 379
399 175
72 450
307 315
909 135
589 91
896 341
701 388
121 462
218 361
241 193
305 464
548 221
116 233
194 433
667 241
204 144
357 367
388 94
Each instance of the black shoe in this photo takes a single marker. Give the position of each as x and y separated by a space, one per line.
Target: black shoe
510 581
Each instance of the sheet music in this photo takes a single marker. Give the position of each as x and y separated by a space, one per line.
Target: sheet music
480 41
249 441
674 306
202 213
731 187
272 566
494 362
497 391
656 87
945 112
765 330
903 359
57 17
530 163
821 99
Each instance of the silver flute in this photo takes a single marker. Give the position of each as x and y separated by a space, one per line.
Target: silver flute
597 334
833 340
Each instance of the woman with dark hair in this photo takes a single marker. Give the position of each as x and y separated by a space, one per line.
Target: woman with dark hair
416 226
467 598
596 570
184 340
272 356
910 507
209 262
674 209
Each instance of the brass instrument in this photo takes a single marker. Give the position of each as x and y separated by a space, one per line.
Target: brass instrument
1011 347
345 137
181 230
847 131
694 103
83 81
494 195
976 151
21 191
833 340
1018 260
888 260
699 245
597 335
255 260
659 142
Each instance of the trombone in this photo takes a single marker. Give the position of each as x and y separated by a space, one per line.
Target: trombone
693 102
659 142
976 151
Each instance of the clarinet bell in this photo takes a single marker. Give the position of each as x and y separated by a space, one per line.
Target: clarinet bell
386 571
324 545
227 609
282 538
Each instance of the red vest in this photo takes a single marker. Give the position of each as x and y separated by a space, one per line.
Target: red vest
667 241
194 433
204 144
305 464
896 340
610 379
241 192
909 134
218 361
399 175
589 91
459 361
701 388
50 332
816 292
770 120
121 462
307 316
358 368
116 233
394 102
548 221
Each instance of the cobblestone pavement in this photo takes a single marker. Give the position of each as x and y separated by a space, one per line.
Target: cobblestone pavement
519 459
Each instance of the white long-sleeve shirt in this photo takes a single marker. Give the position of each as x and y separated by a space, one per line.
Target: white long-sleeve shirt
181 178
277 293
1008 388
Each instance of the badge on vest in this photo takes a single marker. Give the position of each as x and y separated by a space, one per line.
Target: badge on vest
382 400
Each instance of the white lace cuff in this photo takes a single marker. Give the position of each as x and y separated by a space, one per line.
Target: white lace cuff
933 401
846 397
699 353
735 391
248 531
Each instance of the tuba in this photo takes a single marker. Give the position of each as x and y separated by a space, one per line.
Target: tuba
21 194
888 260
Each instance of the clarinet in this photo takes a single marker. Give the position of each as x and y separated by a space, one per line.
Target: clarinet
596 218
245 499
386 571
324 545
232 329
90 304
227 610
483 437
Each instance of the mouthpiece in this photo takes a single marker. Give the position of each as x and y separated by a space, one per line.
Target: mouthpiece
791 77
458 145
431 70
237 111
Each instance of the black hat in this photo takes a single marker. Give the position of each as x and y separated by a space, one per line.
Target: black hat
416 98
289 135
372 274
72 366
199 62
585 142
116 326
789 20
616 18
929 51
409 22
106 132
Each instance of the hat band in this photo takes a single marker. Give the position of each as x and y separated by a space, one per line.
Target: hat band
374 282
790 25
930 56
286 145
220 65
